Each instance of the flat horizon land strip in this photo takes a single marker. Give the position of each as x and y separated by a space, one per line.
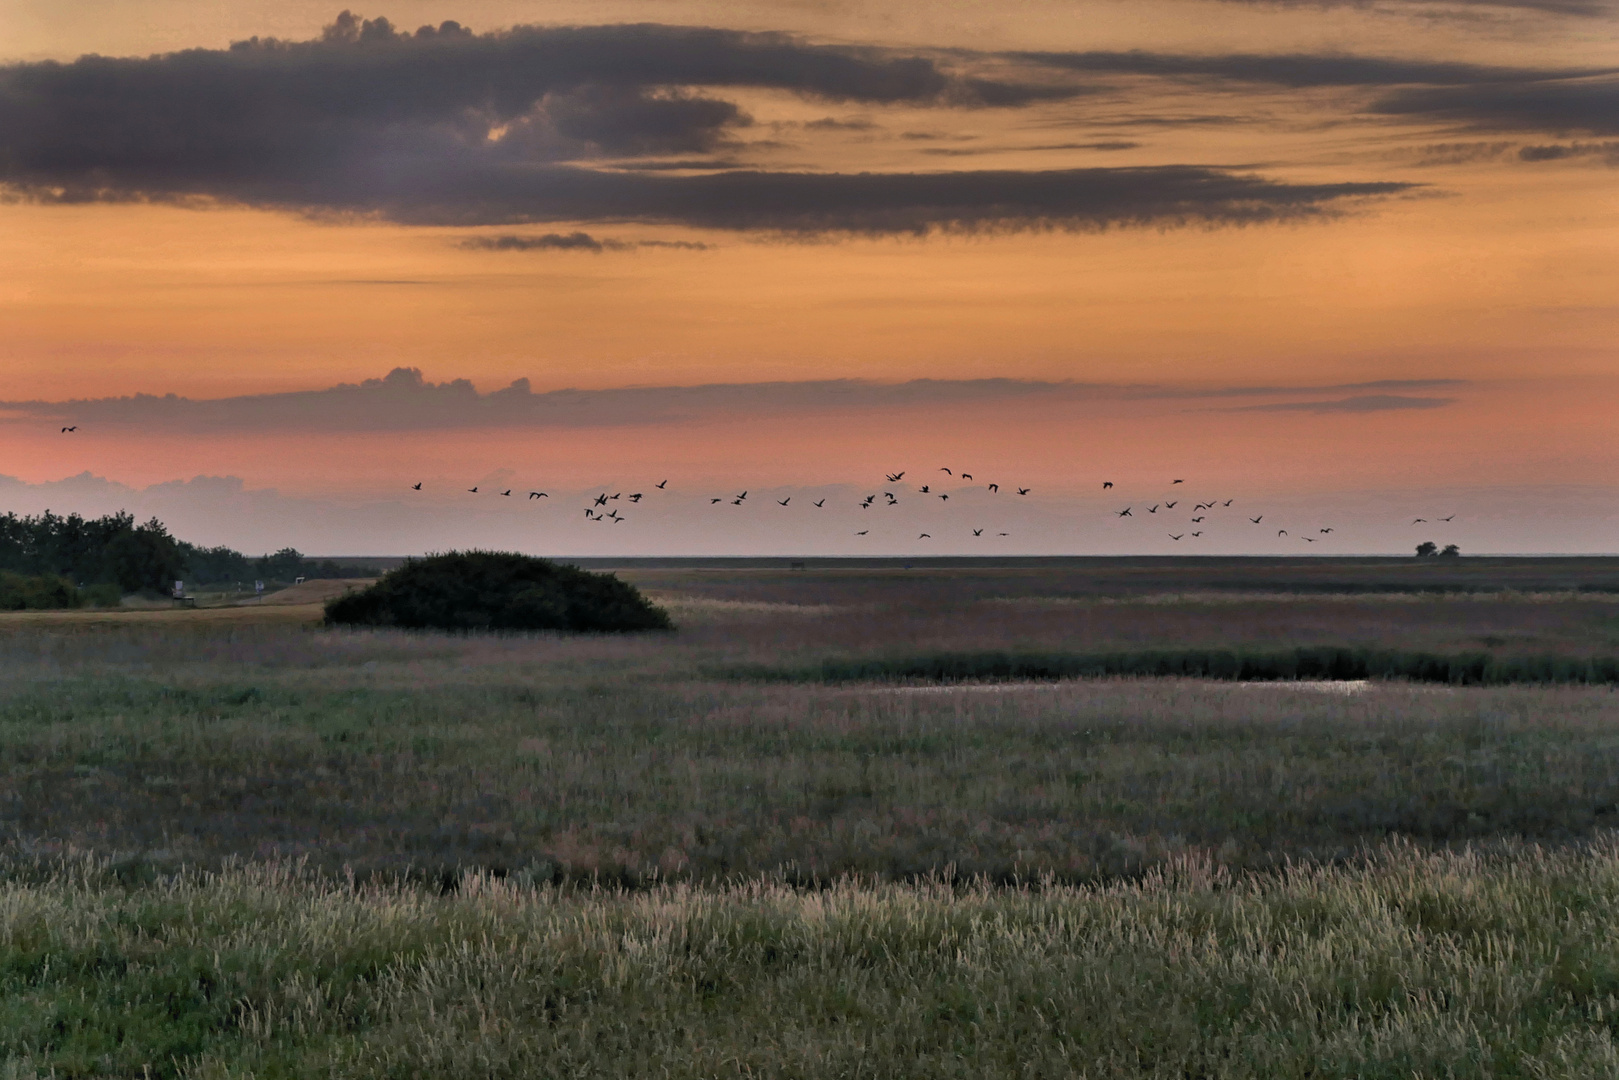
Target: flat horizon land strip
535 854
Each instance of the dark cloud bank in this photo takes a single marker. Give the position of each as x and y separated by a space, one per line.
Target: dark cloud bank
443 126
405 401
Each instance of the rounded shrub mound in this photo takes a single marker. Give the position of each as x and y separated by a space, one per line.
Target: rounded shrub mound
497 590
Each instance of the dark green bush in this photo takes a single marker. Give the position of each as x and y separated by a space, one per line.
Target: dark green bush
41 592
496 590
105 594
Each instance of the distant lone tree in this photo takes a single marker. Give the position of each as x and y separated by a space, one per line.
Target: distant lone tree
497 590
1451 552
1426 549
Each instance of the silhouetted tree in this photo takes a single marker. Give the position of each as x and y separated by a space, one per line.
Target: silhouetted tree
1451 552
1427 548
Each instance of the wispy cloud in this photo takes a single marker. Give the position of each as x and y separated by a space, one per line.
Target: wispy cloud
574 241
1364 403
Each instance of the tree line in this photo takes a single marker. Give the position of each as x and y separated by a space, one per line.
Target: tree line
115 550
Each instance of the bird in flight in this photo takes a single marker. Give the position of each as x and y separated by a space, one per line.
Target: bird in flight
1196 520
923 489
1022 491
1172 536
820 502
473 490
637 497
738 502
1153 509
73 427
1003 534
978 532
894 478
1447 519
742 496
1309 539
711 502
1228 502
1177 481
538 495
1281 532
966 476
784 502
925 536
943 496
601 500
1123 513
1416 520
1197 534
1326 531
1258 519
661 483
1202 506
416 486
996 488
862 532
945 470
1106 484
508 491
1170 505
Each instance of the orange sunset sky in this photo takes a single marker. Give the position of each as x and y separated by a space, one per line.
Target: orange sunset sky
1345 264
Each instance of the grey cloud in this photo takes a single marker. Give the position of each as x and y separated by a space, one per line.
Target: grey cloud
574 241
1364 403
405 401
1574 105
1608 151
1299 70
445 127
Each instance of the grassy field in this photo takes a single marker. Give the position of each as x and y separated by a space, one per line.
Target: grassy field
236 843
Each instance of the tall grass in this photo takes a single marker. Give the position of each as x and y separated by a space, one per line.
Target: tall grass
1319 662
1460 965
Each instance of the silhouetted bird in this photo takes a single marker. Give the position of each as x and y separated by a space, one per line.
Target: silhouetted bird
925 536
538 495
416 487
966 476
74 427
894 478
1417 520
1153 509
1326 530
862 532
945 470
1447 519
1201 506
1003 534
1123 513
996 488
1197 534
784 502
473 490
1196 520
1170 505
1172 536
742 496
1022 491
1258 519
820 502
978 532
1106 484
508 491
1226 503
616 494
1281 532
601 500
923 489
660 486
711 502
945 497
1308 539
1177 481
637 497
737 502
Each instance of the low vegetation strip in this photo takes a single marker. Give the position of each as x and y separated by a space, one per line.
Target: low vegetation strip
1460 965
1458 669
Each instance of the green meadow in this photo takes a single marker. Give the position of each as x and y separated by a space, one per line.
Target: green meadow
253 846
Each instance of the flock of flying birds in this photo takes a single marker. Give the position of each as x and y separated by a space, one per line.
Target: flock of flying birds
1190 523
